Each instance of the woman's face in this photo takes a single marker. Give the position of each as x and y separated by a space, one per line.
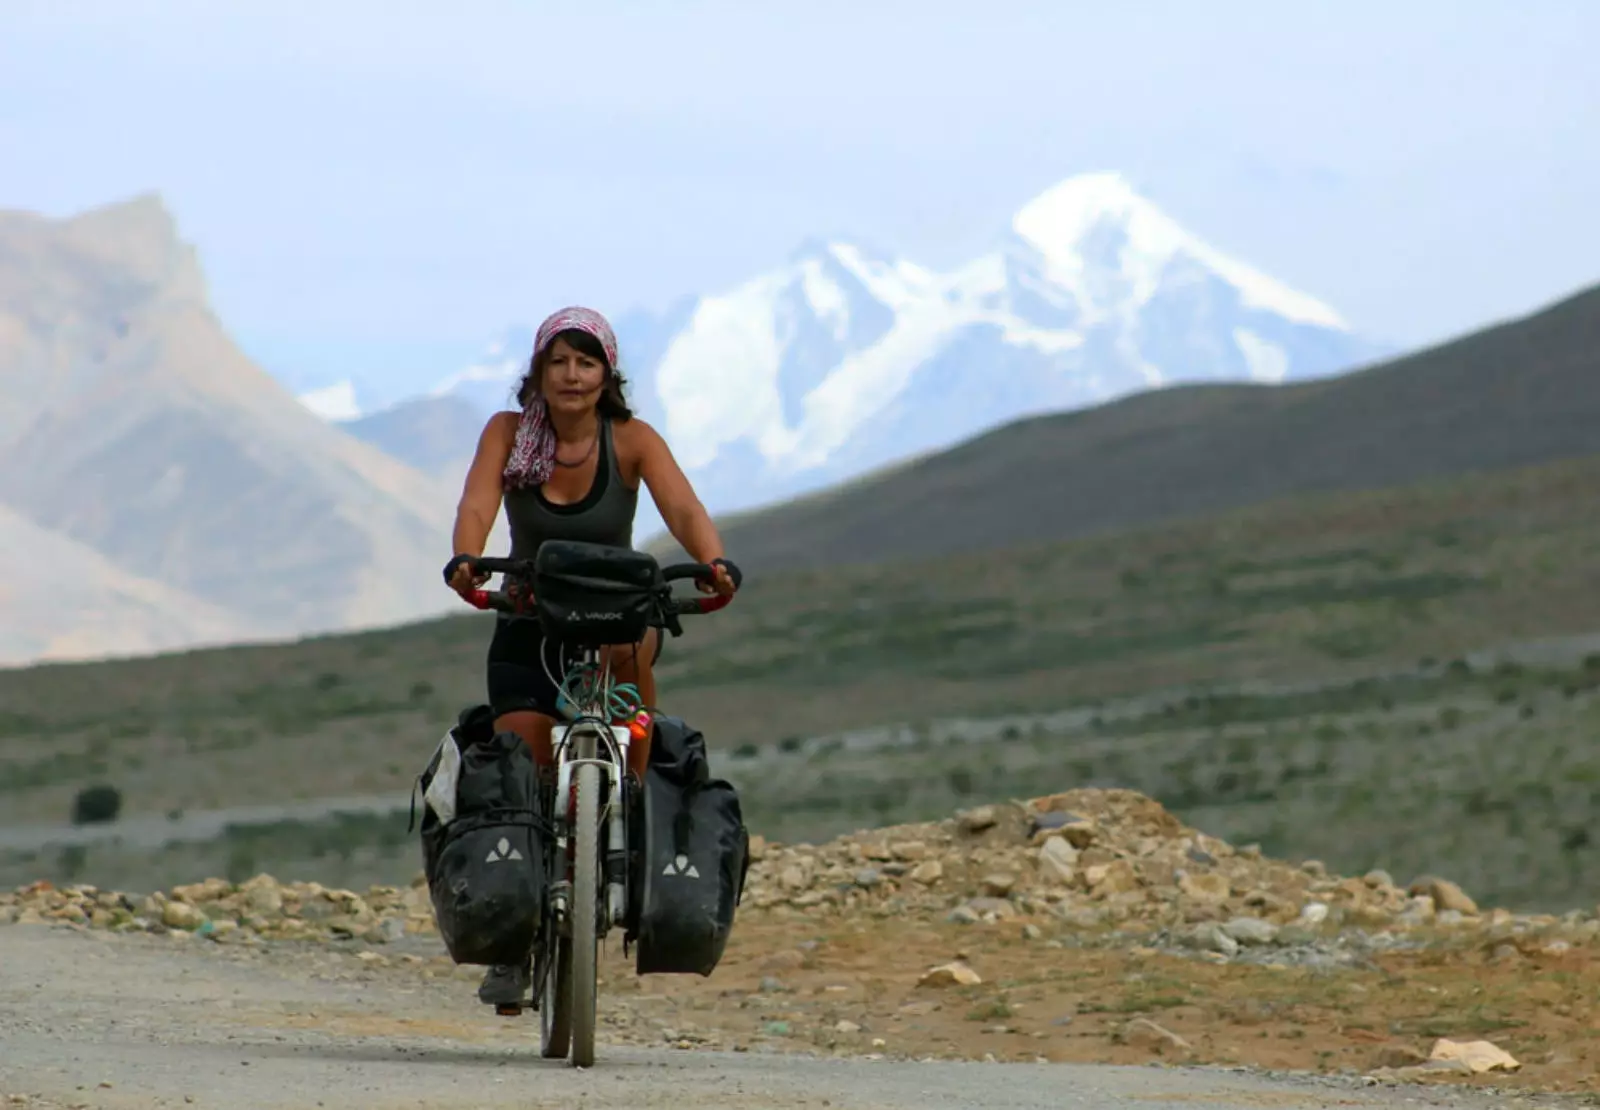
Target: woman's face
572 380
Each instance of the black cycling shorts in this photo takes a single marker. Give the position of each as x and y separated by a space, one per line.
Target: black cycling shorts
518 681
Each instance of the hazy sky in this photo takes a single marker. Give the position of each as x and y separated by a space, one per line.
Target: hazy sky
393 182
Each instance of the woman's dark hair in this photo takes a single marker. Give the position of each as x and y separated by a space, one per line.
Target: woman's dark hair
612 403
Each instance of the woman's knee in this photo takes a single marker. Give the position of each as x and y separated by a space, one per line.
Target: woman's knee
634 661
535 730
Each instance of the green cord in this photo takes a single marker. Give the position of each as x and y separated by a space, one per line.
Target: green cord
581 686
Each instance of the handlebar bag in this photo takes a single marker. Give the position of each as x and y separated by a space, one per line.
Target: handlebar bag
594 594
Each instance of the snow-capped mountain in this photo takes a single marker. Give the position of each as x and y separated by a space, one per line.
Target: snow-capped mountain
335 403
841 361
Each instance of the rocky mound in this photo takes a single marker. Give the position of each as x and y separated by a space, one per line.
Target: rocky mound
1112 863
1093 857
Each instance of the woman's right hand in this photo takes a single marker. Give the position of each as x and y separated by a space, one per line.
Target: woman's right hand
464 578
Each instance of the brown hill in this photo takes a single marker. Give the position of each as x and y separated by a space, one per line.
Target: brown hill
1515 394
62 600
131 425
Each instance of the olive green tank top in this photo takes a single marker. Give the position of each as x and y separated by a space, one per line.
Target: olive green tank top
604 515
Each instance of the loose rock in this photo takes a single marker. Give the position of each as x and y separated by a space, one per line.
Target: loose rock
1148 1034
1478 1056
954 974
182 915
1250 930
1058 861
1445 894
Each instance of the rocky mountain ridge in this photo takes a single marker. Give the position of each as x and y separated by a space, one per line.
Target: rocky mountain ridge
132 427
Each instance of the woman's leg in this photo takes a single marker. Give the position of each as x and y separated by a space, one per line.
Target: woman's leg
635 664
520 686
535 728
523 698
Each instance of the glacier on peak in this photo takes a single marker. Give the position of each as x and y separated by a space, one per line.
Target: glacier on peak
335 403
1070 225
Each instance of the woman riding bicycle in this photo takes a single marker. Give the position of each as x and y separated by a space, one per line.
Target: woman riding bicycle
568 467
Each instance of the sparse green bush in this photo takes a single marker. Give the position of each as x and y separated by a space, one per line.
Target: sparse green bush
96 804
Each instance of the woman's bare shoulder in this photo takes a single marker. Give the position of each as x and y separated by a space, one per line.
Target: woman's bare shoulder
498 435
634 434
636 441
502 425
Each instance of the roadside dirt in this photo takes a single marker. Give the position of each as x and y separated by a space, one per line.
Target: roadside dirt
1098 1005
1087 928
90 1019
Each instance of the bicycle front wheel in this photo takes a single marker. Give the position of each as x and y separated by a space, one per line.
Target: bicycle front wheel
585 914
555 1004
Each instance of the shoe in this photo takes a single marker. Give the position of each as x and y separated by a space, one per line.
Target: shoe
506 984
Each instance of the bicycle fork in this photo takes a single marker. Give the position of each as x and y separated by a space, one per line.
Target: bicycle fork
615 863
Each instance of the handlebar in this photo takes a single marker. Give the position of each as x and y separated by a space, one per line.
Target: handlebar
511 568
700 572
509 601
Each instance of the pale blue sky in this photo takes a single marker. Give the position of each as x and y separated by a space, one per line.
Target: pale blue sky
393 182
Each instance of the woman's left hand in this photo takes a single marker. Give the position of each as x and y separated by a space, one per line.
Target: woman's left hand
723 584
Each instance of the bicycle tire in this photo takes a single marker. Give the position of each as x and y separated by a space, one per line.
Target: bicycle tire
555 1005
555 989
585 915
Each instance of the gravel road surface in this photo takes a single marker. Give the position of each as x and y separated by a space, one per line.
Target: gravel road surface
111 1021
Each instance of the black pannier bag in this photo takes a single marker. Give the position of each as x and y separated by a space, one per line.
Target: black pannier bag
692 857
483 835
588 593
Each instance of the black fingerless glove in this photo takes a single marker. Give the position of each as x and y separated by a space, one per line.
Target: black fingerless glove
733 571
451 567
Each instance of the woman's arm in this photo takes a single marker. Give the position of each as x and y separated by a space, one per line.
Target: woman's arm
481 492
680 508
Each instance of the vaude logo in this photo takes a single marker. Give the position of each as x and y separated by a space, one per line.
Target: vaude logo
608 616
682 866
501 852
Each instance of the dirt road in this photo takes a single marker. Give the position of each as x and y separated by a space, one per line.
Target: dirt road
99 1020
